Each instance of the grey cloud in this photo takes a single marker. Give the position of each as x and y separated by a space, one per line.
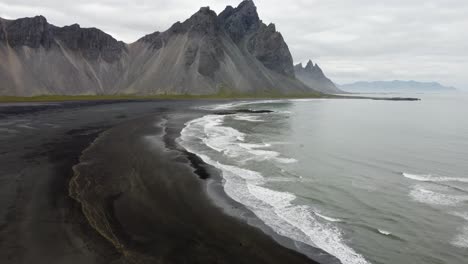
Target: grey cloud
352 40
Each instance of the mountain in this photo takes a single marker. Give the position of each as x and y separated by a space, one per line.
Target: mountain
395 86
39 58
313 76
233 52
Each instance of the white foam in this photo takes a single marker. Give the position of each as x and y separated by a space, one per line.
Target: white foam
229 141
248 118
281 179
383 232
431 178
298 222
423 195
237 104
274 208
461 240
331 219
463 215
250 146
243 173
274 198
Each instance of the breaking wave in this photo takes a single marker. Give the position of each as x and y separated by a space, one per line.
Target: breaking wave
431 178
275 208
423 195
383 232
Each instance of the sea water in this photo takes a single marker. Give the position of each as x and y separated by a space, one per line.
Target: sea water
366 181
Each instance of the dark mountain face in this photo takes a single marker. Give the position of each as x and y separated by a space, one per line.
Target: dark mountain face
313 76
203 27
241 21
245 28
313 71
91 41
269 47
36 32
208 53
32 32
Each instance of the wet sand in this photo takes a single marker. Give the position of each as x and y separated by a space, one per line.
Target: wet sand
138 198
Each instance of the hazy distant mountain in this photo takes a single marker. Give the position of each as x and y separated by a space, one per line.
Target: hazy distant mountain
314 77
208 53
395 86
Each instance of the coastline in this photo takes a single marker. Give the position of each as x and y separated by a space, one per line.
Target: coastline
35 164
178 97
191 203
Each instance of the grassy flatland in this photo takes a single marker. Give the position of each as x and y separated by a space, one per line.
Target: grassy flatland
63 98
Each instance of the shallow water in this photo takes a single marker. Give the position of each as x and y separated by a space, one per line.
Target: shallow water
367 181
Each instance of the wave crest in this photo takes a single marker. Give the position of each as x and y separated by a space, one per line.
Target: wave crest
431 178
423 195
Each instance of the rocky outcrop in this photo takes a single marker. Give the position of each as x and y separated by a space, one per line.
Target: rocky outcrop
31 32
313 76
241 21
39 58
91 42
36 32
269 47
233 52
245 28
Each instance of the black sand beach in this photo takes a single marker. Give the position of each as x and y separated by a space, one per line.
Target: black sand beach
146 198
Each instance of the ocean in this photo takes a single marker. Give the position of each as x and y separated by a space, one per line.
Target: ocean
366 181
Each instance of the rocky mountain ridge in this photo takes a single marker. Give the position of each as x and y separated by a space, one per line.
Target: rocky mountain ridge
233 52
313 76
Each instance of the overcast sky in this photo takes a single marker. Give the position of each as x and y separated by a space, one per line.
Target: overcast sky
424 40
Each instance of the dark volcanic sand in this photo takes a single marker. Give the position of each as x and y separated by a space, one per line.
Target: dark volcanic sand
145 196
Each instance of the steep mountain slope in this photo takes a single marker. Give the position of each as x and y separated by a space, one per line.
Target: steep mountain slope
233 52
39 58
313 76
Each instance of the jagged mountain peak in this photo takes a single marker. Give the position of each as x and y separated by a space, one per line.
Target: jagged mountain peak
237 22
309 67
36 32
33 32
241 20
92 42
204 21
205 54
248 7
203 12
272 27
247 3
313 76
36 19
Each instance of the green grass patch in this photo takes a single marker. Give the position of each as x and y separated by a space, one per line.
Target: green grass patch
224 95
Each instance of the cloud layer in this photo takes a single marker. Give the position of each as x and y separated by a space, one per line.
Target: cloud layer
423 40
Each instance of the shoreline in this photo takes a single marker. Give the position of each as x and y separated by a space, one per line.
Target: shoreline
116 200
227 97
